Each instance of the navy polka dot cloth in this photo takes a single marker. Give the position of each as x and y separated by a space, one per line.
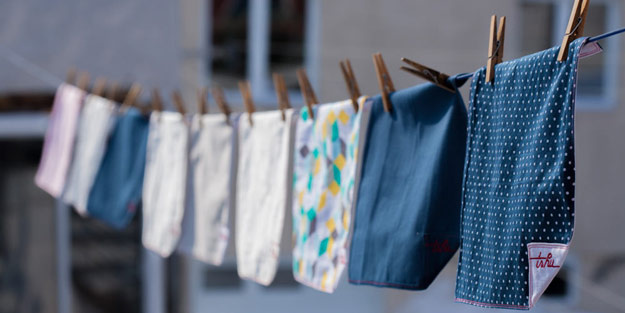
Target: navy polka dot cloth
519 180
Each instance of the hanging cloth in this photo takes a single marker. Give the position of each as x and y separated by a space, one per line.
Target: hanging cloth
164 186
519 179
406 221
97 119
116 192
262 189
205 228
58 145
324 169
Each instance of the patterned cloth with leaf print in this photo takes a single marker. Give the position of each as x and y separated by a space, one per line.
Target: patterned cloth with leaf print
324 170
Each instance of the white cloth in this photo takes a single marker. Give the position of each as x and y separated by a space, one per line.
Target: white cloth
205 230
58 144
262 189
94 127
165 181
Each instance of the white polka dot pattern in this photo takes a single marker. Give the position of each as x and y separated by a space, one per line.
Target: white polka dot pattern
519 175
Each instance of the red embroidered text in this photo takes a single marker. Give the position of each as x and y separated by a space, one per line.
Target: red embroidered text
439 247
543 262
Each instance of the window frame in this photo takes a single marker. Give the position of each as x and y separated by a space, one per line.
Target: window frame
609 98
258 58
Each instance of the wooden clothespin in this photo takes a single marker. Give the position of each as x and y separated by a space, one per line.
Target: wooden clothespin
437 78
350 80
71 76
202 103
218 96
131 97
83 81
111 93
157 103
384 81
244 88
99 86
307 91
575 28
178 102
282 93
495 46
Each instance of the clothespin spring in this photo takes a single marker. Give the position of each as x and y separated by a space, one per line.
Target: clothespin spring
579 23
496 52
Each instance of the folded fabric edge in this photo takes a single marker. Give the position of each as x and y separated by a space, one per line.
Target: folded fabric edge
492 305
387 285
311 285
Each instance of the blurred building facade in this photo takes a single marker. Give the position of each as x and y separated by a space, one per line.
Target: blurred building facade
186 44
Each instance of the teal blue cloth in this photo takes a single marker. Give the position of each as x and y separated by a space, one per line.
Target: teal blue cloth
116 192
519 180
406 222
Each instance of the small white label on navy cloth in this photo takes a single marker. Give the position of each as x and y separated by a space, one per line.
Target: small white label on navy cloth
545 260
589 49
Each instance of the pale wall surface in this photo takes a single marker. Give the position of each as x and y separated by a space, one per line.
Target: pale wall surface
123 40
457 42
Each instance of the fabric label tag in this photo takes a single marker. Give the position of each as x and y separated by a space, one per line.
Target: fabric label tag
589 49
545 260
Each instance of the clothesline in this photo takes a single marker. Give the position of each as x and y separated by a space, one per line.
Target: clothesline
53 80
39 72
590 39
30 67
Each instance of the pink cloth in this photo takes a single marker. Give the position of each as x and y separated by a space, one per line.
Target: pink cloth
58 144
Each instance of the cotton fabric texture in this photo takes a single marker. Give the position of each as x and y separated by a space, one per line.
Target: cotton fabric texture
324 170
407 216
519 179
262 188
205 230
58 145
116 192
94 127
164 187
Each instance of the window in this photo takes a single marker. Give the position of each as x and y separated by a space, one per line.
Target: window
253 39
286 52
229 42
598 76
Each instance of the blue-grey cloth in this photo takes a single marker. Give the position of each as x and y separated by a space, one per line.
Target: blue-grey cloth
518 188
407 216
116 192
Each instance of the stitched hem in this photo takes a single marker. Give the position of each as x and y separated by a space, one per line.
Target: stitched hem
256 280
163 253
311 285
493 305
213 258
388 285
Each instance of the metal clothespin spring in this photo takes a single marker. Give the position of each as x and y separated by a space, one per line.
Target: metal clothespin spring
496 52
386 80
579 22
431 75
